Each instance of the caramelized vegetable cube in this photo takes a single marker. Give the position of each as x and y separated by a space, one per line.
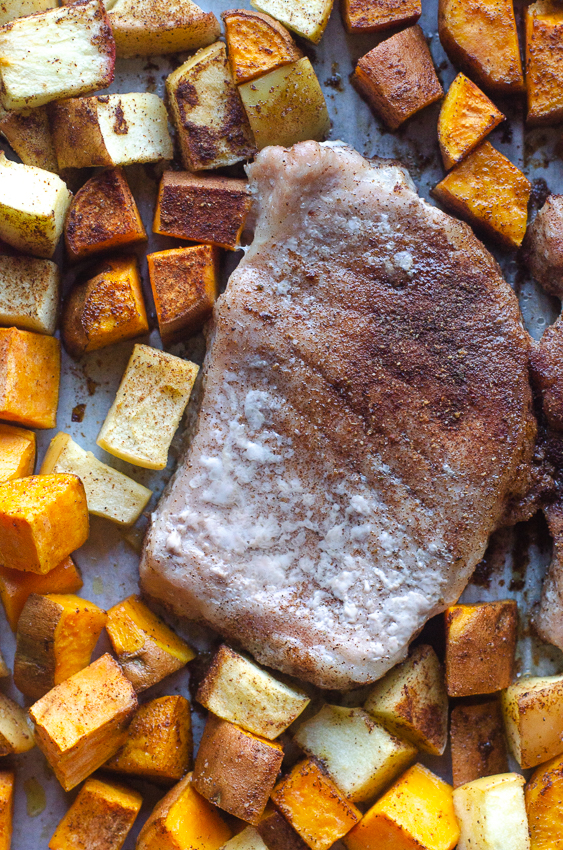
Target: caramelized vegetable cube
101 816
466 117
17 453
147 28
416 813
29 293
374 15
82 722
490 192
29 135
17 586
307 18
478 742
30 368
147 649
7 781
398 78
544 62
202 208
43 519
183 819
256 44
314 806
159 742
543 795
276 832
492 814
103 215
235 769
533 718
16 733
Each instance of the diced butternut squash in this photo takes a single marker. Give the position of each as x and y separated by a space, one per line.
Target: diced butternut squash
533 718
237 689
29 135
397 77
103 215
83 721
55 639
147 649
16 733
544 62
480 647
256 44
374 15
235 769
489 192
307 18
17 453
159 742
29 293
481 39
478 742
277 833
544 796
314 806
30 368
466 117
7 782
416 813
106 309
101 816
16 586
183 819
492 814
43 519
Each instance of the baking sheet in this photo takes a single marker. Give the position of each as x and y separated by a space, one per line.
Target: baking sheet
517 558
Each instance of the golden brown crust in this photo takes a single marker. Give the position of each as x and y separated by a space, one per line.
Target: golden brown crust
76 133
375 15
478 742
256 44
277 834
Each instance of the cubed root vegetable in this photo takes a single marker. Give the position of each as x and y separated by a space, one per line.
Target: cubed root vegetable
307 18
43 519
235 769
277 833
30 369
489 192
82 722
544 62
147 649
256 44
492 814
533 718
248 839
16 586
416 812
543 796
29 135
17 453
16 734
101 816
159 742
466 117
183 819
147 28
7 783
397 77
19 9
478 742
29 293
55 639
314 806
374 15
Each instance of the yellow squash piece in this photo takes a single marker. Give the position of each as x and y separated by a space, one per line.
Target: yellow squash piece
466 117
16 586
256 44
7 782
544 805
30 369
17 452
544 62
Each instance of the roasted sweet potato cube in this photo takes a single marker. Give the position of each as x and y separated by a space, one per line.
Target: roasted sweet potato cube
82 722
478 742
374 15
43 519
317 810
106 309
28 134
30 369
481 39
101 816
16 733
480 647
7 782
55 639
398 78
489 192
183 819
276 832
256 44
416 812
103 215
16 586
159 742
543 796
466 117
544 62
17 452
235 769
185 287
533 719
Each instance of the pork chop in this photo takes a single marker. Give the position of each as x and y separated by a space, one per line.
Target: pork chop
366 417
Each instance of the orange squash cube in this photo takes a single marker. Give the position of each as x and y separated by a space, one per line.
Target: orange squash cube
544 62
416 813
17 452
466 117
7 781
256 44
489 192
544 796
43 519
374 15
314 806
16 586
30 370
185 287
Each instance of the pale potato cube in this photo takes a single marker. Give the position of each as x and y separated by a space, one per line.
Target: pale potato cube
12 9
492 814
29 135
286 106
238 690
109 493
148 406
149 27
16 730
248 839
33 206
29 293
58 53
305 17
533 718
360 755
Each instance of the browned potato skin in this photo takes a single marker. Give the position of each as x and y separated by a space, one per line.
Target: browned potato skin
236 770
34 663
478 742
543 246
277 833
76 133
375 15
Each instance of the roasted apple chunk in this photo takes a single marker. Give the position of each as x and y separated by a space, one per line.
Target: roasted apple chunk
29 293
533 718
374 15
256 44
16 586
149 28
29 135
17 452
466 117
492 813
544 62
307 18
16 733
10 10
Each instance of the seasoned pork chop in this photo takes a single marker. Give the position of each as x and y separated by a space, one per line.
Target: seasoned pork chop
365 417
